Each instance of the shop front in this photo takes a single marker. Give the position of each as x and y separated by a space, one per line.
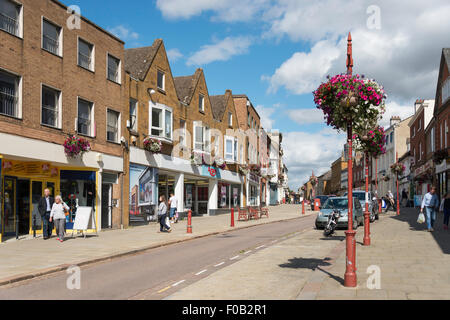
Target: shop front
253 189
23 184
443 177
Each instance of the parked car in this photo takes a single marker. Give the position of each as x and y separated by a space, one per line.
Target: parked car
340 203
322 199
373 206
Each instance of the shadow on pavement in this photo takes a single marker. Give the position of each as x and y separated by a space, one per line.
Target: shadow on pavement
442 237
336 238
313 264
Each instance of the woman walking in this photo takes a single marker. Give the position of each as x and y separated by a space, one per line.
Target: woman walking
162 215
58 215
445 207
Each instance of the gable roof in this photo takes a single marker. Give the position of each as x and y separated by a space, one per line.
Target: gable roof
445 58
446 52
218 106
186 85
139 60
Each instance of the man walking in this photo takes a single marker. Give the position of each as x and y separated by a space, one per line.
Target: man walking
45 207
431 204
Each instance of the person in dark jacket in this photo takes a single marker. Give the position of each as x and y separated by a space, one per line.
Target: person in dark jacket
445 207
45 207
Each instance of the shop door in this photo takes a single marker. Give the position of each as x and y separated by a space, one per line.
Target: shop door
106 206
23 206
9 207
36 195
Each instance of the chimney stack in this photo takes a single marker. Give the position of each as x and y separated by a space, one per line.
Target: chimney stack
395 120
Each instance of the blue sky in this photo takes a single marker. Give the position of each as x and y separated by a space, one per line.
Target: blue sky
278 51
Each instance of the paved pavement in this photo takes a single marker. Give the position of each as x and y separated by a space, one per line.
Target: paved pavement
413 264
29 258
157 273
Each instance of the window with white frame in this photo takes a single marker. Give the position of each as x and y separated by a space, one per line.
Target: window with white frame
113 125
10 94
201 103
133 114
114 73
199 137
229 148
11 17
85 117
230 119
161 121
85 55
161 80
51 37
446 90
50 107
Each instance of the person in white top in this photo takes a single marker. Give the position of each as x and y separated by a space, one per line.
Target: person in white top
58 214
173 202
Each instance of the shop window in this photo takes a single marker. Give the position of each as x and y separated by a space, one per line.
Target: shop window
86 55
161 121
114 73
113 124
10 94
224 192
51 38
11 17
85 111
51 106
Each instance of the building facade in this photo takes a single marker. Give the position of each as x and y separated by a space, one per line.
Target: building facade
57 81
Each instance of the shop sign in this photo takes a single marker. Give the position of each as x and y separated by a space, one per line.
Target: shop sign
211 172
29 169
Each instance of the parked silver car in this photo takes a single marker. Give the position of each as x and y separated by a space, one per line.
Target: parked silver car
340 203
373 206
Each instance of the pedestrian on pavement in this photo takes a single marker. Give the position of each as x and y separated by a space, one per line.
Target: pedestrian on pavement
431 204
58 214
162 215
173 203
45 207
445 207
390 201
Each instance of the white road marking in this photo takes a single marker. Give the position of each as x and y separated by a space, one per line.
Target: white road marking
248 252
234 258
199 273
218 265
260 247
178 283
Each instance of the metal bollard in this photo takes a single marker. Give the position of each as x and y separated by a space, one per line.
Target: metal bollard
232 217
189 226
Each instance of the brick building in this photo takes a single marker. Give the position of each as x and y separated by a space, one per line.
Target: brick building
55 80
336 171
442 120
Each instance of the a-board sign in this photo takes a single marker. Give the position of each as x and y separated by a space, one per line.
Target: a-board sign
84 219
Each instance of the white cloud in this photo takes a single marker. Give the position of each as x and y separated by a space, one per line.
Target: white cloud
174 54
300 73
124 33
221 50
306 152
266 114
306 116
228 11
394 109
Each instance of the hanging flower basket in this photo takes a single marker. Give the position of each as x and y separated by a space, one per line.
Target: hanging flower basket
152 145
256 169
440 156
372 143
220 163
398 168
74 146
243 170
345 98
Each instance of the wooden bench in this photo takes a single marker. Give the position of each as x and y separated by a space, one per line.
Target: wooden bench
253 212
243 215
263 212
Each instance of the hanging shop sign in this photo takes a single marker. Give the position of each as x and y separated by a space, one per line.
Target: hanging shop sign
28 169
211 172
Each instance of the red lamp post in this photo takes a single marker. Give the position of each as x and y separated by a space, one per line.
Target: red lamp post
366 240
350 270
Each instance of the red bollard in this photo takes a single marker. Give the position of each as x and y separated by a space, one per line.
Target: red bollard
232 217
303 207
189 226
